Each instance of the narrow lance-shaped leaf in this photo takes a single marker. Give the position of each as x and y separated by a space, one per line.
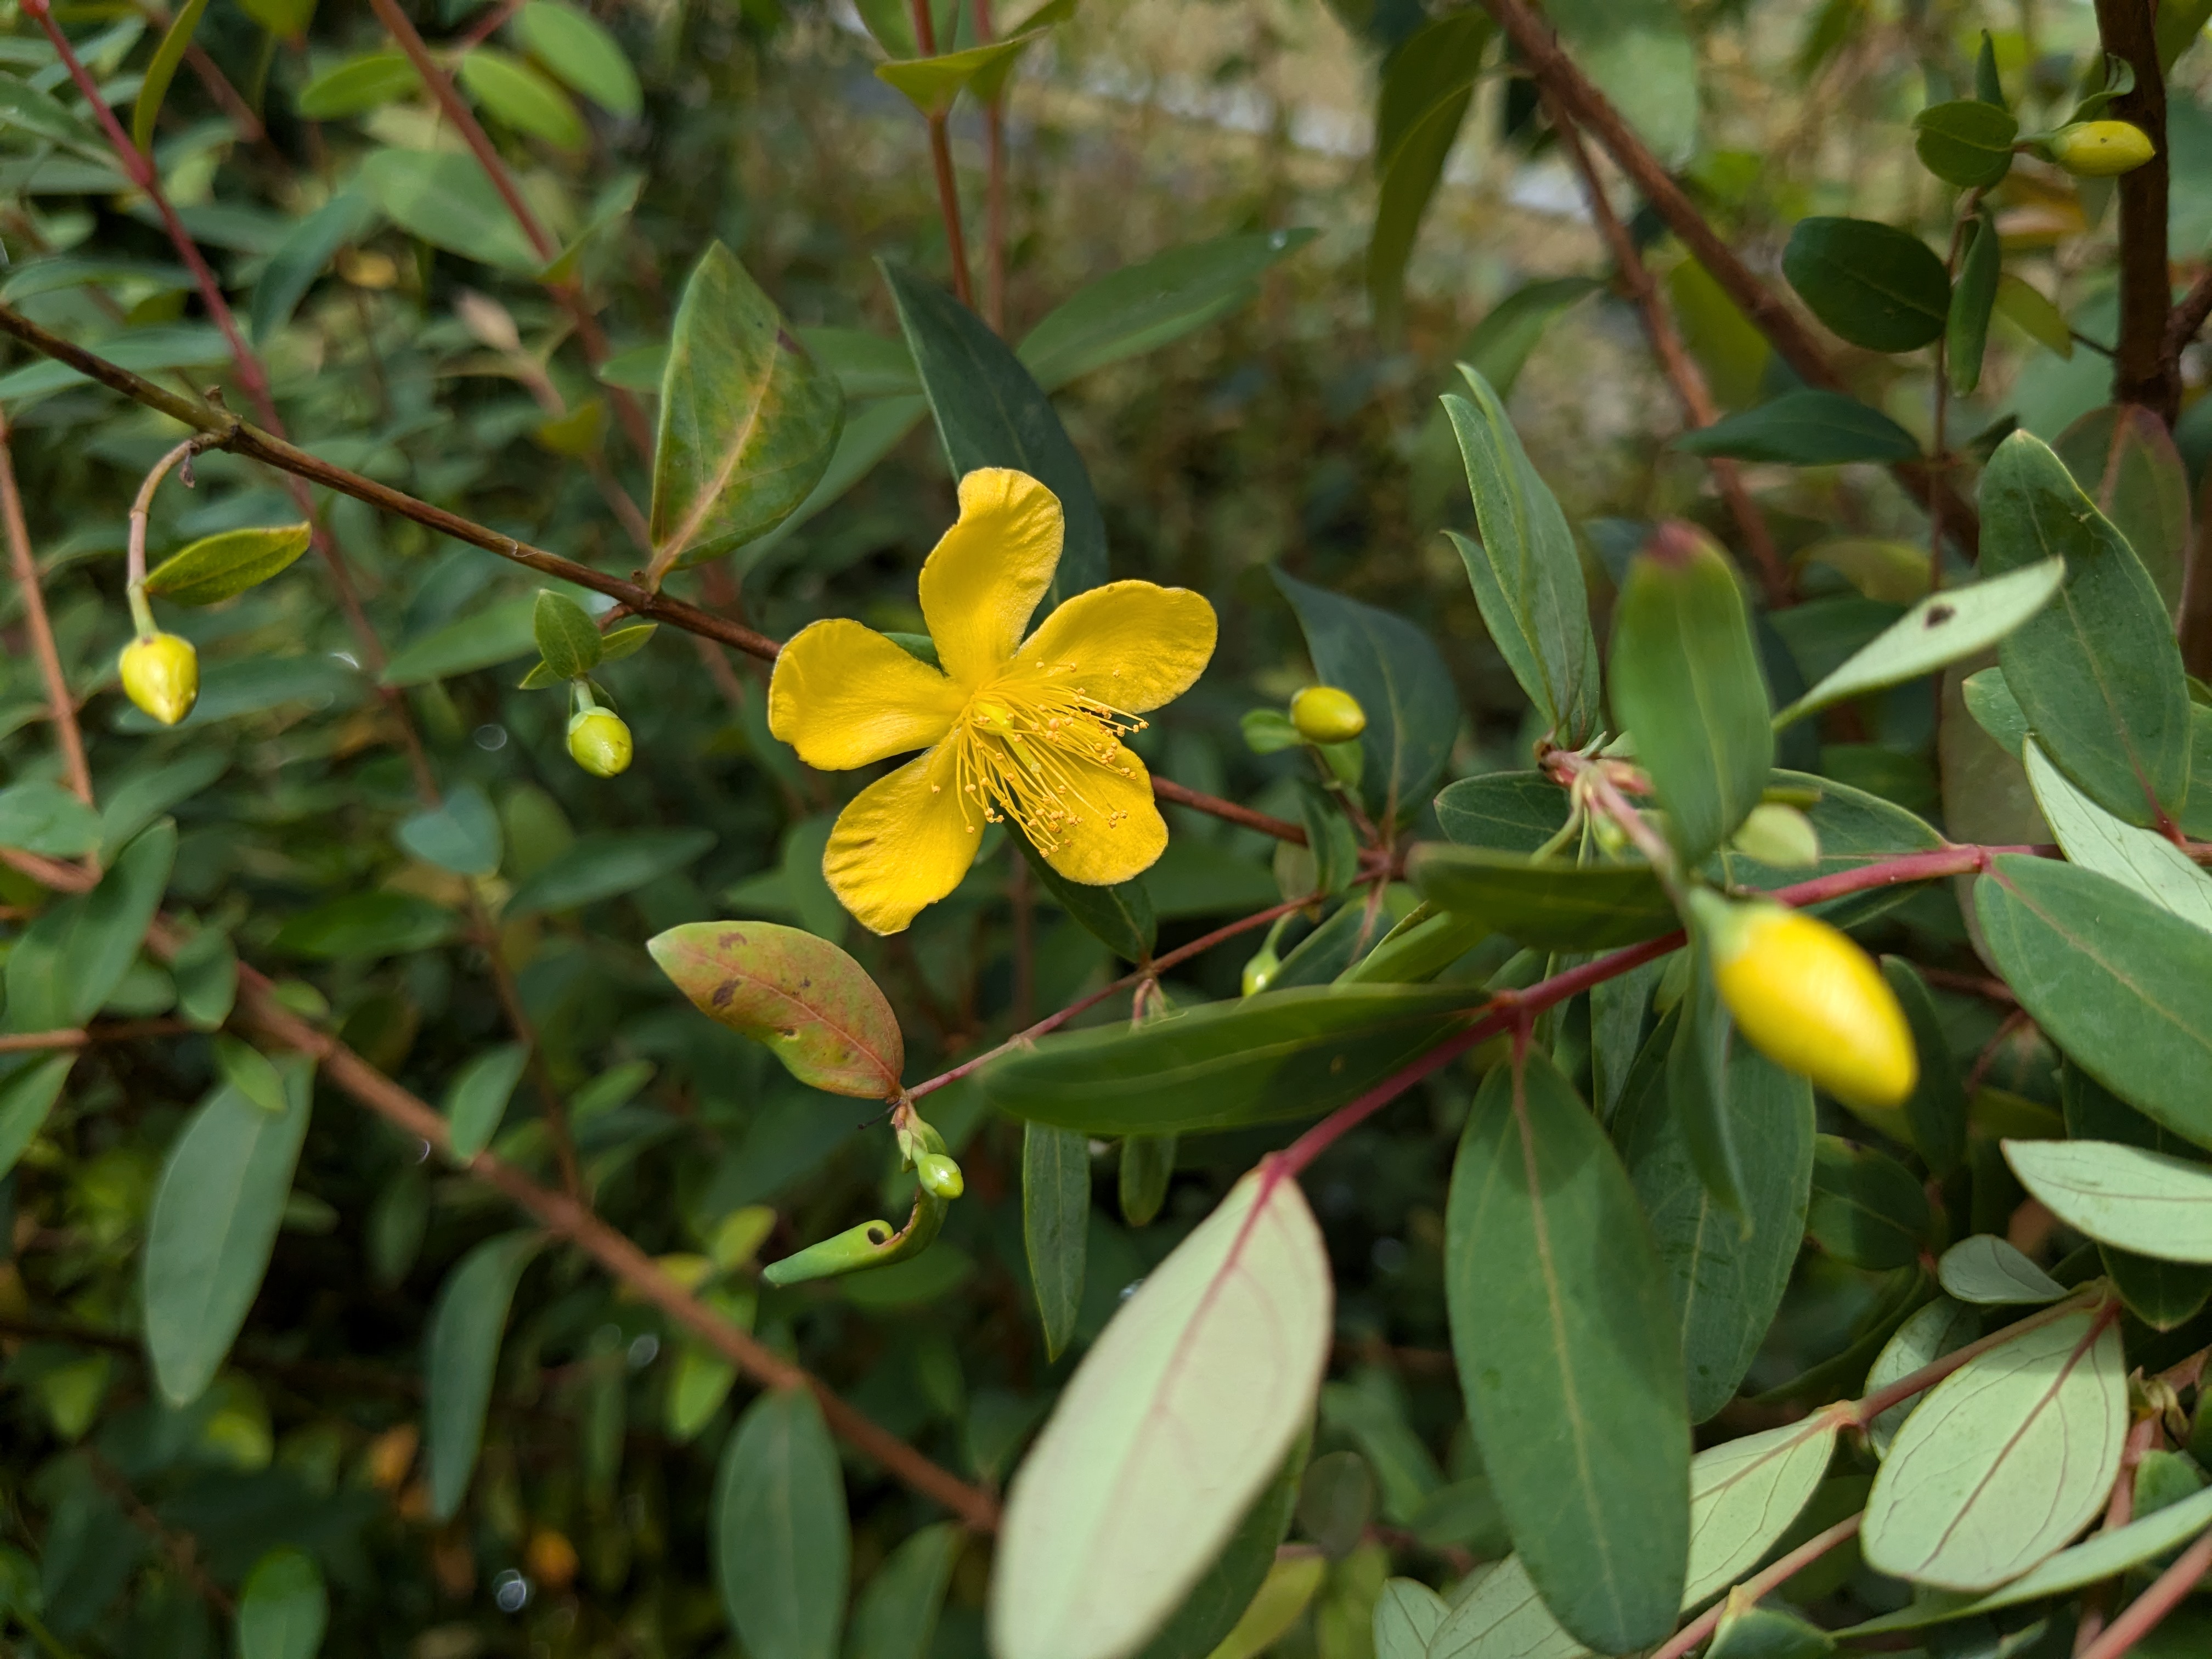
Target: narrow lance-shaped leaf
2141 860
782 1540
806 999
1973 301
216 568
1806 427
1056 1225
897 1612
26 1096
1698 1085
461 1357
2162 1293
176 40
1427 85
283 1609
1178 1417
2152 1203
478 1098
1568 1358
748 422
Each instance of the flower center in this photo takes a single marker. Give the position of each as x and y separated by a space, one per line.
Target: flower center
1032 748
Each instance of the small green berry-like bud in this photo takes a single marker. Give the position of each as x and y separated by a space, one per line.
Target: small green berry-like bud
1260 969
1323 714
939 1174
162 675
1778 834
600 742
2099 150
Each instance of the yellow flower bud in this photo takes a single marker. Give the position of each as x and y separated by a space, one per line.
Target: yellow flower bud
2099 150
600 742
939 1174
162 675
1810 1000
1323 714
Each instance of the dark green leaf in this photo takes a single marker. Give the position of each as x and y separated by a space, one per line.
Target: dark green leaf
463 835
1121 917
600 867
1526 572
782 1544
476 1099
1867 1209
26 1097
1511 811
460 1357
897 1612
1571 1368
748 422
1280 1054
1855 828
385 924
990 412
216 568
2125 461
1873 284
1395 672
1967 330
1756 1632
2180 23
1427 84
1687 687
1967 142
1056 1225
1550 905
1937 1110
283 1608
1508 331
213 1226
44 818
1806 427
70 961
205 970
1698 1075
499 633
2097 672
176 39
1147 1165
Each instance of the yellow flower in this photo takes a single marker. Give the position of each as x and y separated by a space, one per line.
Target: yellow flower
1028 729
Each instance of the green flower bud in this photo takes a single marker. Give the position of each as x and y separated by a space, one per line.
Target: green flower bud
1323 714
939 1174
162 675
1778 834
2099 150
600 742
1261 969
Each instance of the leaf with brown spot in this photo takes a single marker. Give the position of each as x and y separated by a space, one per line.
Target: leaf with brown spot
802 996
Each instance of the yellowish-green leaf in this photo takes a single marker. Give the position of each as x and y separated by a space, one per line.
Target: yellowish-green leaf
217 567
2134 857
1988 1272
1289 1586
162 70
577 47
1932 1331
1744 1494
1504 1616
519 96
2152 1203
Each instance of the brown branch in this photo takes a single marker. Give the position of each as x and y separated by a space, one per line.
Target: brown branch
1544 57
2142 373
61 706
2188 318
1176 795
526 1031
994 200
2194 627
1681 368
940 159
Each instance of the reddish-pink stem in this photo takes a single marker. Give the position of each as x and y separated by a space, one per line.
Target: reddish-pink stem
2167 1591
1761 1584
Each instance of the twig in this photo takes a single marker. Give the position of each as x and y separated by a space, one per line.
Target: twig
1758 1585
2166 1592
941 158
526 1032
1176 795
994 155
2142 372
1681 368
61 706
1591 110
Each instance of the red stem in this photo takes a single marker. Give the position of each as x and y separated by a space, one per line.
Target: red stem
1754 1588
2167 1592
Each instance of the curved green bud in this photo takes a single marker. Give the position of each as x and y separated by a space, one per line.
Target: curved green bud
939 1174
871 1244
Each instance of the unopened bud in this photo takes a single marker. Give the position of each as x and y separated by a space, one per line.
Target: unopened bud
939 1174
162 675
600 742
1260 969
1323 714
2099 150
1779 836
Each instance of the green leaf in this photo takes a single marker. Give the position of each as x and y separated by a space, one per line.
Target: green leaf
1407 1615
1427 85
146 351
1144 307
44 818
357 86
932 84
1756 1632
1547 904
445 200
1178 1418
1572 1369
1744 1494
1056 1225
1872 284
2028 308
1987 1272
460 1357
1866 1208
747 421
513 92
2124 986
782 1542
26 1097
2004 1461
1526 572
213 1226
205 970
991 412
1643 57
1511 811
1936 1112
463 835
1242 1575
2141 860
2162 1294
574 46
2098 674
1698 1082
806 999
476 1099
1725 1272
1933 1331
866 365
215 568
1967 141
499 633
619 642
70 961
2125 461
1687 687
1972 301
2180 23
1942 629
2151 1203
250 1072
1502 1618
163 70
871 433
1121 916
1806 427
897 1612
605 865
283 1608
567 637
1498 348
1855 828
1222 1064
367 925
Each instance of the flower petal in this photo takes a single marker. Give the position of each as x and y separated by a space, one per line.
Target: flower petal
1117 833
1133 646
843 696
903 843
987 574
